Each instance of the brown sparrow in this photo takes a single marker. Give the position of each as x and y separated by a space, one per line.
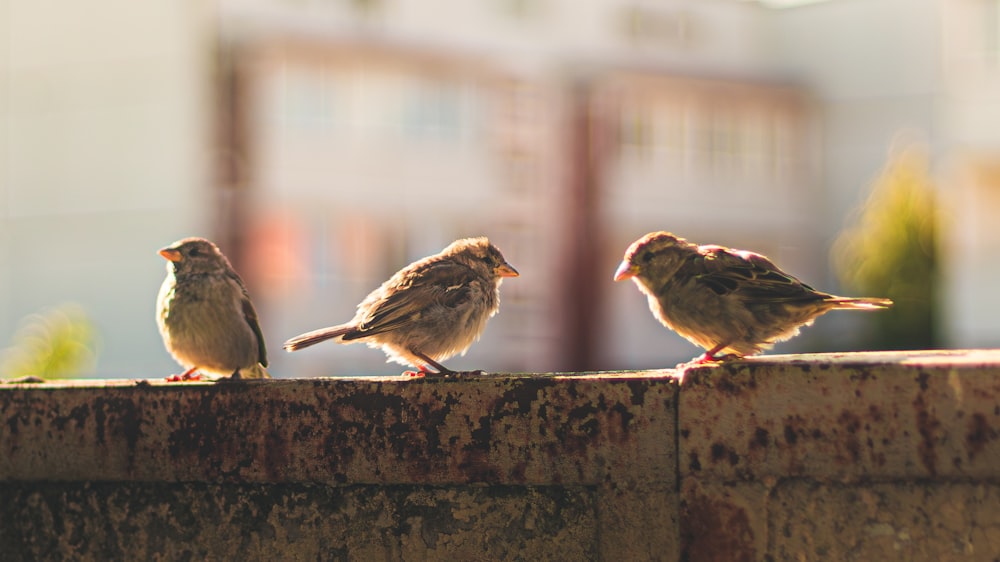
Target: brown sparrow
727 301
205 315
428 311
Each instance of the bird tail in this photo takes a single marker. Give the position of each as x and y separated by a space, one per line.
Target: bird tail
862 303
307 339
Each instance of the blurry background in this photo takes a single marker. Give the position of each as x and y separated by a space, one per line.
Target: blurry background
323 144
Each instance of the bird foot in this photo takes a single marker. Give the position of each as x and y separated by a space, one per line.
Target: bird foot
709 359
459 374
445 374
421 371
189 375
706 358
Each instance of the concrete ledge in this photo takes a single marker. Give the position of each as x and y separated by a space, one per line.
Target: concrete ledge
862 456
847 417
197 521
493 430
578 462
842 456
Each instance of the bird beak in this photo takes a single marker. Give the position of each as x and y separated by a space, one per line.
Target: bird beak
626 271
171 254
505 270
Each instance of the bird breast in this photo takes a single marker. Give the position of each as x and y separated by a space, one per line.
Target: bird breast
203 324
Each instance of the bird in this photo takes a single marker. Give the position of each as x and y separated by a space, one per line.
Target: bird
206 318
730 302
429 311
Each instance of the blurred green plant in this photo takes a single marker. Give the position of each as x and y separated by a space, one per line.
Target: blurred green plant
891 251
56 343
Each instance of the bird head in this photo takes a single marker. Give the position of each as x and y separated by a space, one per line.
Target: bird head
479 252
655 256
195 255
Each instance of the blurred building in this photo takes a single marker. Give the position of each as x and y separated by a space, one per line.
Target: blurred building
361 157
105 136
326 144
717 161
969 158
364 150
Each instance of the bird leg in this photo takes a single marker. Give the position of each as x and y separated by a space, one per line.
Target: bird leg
442 371
191 374
421 371
711 356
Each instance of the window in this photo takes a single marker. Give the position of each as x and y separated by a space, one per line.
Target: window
635 131
436 109
306 99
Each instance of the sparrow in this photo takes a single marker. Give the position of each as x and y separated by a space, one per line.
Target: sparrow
730 302
428 311
205 315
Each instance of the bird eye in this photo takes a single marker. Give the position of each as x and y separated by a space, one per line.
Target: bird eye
647 256
195 252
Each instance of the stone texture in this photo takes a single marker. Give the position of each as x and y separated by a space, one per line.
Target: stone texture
536 463
143 521
863 456
843 417
914 521
887 456
803 519
502 430
723 521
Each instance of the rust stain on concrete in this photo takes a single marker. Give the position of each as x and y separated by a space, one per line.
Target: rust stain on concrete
587 467
848 420
979 435
927 426
512 430
201 521
713 530
557 447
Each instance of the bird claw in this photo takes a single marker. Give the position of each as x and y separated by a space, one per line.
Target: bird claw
706 358
449 374
460 374
189 375
709 359
421 371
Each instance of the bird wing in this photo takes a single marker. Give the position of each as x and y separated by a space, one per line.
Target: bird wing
406 297
250 315
749 276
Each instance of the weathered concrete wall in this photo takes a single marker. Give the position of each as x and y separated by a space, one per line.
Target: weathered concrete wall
824 457
842 457
530 467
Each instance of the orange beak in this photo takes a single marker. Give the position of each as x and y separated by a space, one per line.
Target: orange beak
171 254
506 270
626 271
